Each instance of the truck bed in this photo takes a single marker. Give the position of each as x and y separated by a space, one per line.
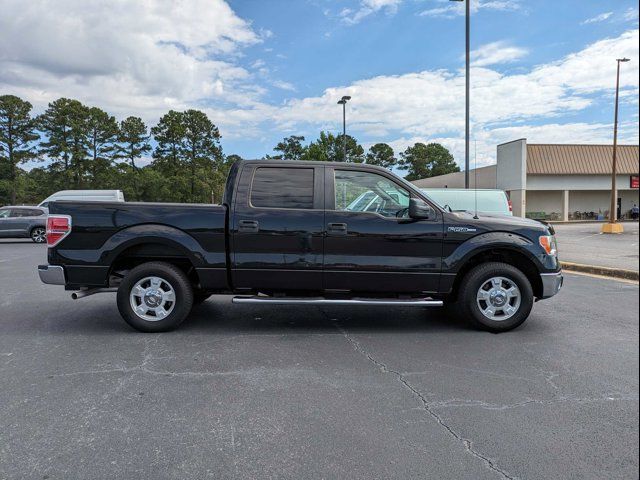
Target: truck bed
103 232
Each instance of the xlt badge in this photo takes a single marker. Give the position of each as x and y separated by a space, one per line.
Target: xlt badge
461 229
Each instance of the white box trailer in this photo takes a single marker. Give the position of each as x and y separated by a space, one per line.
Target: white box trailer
85 195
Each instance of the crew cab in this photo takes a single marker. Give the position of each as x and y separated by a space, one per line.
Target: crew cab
284 234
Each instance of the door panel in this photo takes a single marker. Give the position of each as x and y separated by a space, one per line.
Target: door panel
377 251
21 220
278 229
12 225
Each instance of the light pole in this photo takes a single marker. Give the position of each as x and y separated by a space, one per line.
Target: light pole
613 226
343 101
466 88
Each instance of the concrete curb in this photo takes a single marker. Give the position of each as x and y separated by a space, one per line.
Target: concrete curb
604 271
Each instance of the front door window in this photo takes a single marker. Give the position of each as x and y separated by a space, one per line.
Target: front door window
357 191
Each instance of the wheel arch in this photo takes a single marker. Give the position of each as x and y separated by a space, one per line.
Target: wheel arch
137 245
504 254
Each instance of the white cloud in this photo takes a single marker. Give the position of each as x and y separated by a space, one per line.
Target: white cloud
593 68
143 58
429 105
431 102
367 7
282 85
449 9
631 15
127 57
598 18
495 53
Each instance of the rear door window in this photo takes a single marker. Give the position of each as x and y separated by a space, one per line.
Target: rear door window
275 187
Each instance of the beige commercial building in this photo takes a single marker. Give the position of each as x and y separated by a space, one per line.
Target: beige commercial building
555 181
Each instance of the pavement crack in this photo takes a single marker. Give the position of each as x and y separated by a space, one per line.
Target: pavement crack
467 444
460 403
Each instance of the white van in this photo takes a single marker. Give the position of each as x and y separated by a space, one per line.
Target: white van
488 200
84 196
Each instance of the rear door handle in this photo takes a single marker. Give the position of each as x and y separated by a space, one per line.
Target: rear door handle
249 226
337 228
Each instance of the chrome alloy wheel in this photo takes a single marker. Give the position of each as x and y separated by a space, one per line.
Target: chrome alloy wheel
499 298
152 298
39 235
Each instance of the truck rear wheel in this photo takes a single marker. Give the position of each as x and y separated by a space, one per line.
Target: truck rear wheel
496 297
155 297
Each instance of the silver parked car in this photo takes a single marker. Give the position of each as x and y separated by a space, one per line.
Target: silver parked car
24 222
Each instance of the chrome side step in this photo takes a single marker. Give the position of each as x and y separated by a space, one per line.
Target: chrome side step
328 301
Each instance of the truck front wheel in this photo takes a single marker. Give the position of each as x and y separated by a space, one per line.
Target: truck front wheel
496 297
155 297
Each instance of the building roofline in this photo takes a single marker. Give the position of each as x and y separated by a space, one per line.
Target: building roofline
586 145
512 141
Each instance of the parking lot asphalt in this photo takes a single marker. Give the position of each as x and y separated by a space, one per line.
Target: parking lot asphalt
583 243
260 392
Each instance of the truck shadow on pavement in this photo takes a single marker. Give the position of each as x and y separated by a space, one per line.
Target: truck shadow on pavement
220 317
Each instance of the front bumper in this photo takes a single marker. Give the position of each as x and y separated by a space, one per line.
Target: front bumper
551 283
51 274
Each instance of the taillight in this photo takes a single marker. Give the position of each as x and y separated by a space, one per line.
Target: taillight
58 227
510 206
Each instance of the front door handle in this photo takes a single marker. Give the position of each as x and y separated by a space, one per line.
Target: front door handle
337 228
248 226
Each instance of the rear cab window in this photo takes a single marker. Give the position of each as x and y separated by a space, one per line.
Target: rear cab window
276 187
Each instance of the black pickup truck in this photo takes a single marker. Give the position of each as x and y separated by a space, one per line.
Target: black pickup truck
296 233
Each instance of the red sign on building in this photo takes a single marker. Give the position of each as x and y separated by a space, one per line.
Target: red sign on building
634 181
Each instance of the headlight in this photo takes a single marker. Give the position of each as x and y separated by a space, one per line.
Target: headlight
548 242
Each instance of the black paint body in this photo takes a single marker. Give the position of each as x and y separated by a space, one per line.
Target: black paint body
237 247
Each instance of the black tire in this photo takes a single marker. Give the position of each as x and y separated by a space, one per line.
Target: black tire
470 306
174 280
200 297
38 234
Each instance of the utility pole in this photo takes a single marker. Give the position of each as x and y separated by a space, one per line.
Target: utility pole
467 87
343 101
612 226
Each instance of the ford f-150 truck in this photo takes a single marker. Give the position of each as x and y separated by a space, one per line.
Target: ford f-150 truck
284 235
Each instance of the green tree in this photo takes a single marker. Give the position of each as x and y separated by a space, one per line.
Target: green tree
169 135
17 134
133 143
423 161
329 148
203 155
66 128
291 148
231 159
382 155
35 185
103 135
79 122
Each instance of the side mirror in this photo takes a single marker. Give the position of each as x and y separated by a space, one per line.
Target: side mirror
420 210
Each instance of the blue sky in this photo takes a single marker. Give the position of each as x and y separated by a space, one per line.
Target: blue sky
262 70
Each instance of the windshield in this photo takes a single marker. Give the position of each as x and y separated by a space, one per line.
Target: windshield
490 201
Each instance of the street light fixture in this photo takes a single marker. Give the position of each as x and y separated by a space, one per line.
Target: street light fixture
467 84
343 101
613 226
